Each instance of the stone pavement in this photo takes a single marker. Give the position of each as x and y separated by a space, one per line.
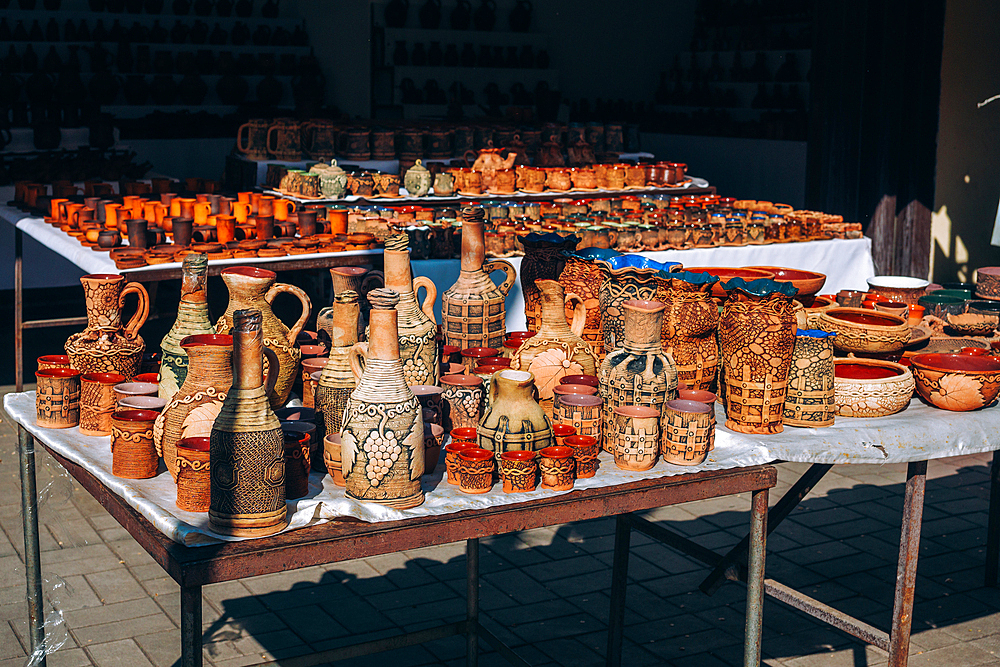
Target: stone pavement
543 591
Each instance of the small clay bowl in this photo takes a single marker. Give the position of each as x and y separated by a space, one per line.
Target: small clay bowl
126 389
897 308
809 283
871 387
147 377
860 330
464 434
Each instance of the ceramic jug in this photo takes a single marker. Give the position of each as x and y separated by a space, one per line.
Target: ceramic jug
417 180
247 450
195 405
357 279
514 419
192 319
473 308
626 277
255 144
105 346
382 451
690 323
253 288
582 276
418 349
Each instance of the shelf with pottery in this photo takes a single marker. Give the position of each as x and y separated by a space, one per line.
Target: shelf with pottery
461 37
166 18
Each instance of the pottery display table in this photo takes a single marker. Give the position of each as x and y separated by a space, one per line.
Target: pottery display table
348 538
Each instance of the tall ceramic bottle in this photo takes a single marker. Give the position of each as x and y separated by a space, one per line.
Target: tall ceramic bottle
638 373
105 346
382 448
337 381
556 350
417 328
192 319
253 288
193 408
758 337
690 323
473 308
247 451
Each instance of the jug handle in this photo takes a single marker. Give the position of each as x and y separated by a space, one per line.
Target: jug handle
579 314
428 305
267 140
239 136
466 156
357 357
506 267
141 312
373 275
306 307
273 364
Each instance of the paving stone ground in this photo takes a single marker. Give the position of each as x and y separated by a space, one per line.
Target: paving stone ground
544 591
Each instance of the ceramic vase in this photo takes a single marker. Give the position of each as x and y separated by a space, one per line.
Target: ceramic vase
637 374
418 349
247 445
383 434
811 399
337 381
192 319
357 279
472 309
633 435
556 350
544 259
757 330
193 408
514 419
687 438
251 288
105 346
690 322
582 276
626 278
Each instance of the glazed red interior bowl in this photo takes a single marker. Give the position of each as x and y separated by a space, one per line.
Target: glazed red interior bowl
808 283
952 363
872 318
849 371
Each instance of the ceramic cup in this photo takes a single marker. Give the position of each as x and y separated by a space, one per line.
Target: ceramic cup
154 403
475 470
706 397
562 431
585 450
431 398
57 398
561 390
53 361
97 402
332 459
518 470
315 445
433 438
193 475
133 455
634 437
451 458
584 413
297 464
687 432
463 396
557 468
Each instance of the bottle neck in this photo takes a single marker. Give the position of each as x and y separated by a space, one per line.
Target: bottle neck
473 245
248 361
344 329
398 275
553 310
383 336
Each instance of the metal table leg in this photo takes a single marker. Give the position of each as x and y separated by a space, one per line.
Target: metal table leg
32 555
906 571
18 311
993 525
755 580
619 586
191 649
472 602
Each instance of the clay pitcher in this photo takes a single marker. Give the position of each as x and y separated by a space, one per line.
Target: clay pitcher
382 451
192 319
473 308
105 346
247 451
418 348
253 288
193 408
543 258
514 420
556 350
355 278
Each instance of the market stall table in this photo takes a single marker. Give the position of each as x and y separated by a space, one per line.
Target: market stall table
347 538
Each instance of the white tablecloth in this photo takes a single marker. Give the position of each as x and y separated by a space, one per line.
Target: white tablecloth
918 433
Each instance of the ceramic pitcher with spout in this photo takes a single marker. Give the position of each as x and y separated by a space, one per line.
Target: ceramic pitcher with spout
105 346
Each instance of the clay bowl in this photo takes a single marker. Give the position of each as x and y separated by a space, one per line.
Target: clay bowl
706 397
898 288
984 307
154 403
860 330
581 379
941 305
726 273
147 377
957 382
972 324
871 387
809 283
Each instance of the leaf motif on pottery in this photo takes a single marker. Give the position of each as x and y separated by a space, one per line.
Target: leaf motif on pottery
958 392
158 433
198 423
551 366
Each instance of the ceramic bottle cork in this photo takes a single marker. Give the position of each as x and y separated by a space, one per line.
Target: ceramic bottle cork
757 330
418 348
247 451
513 419
811 399
382 449
193 408
690 322
337 381
472 309
556 350
105 346
637 374
253 288
192 319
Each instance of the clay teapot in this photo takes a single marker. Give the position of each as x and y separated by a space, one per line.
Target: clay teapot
489 161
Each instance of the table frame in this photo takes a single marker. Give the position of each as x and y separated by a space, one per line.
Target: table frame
335 541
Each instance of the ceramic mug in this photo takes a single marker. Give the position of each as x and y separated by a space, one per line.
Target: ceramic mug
687 432
557 468
463 400
475 470
451 458
57 398
133 455
634 437
193 476
581 412
585 451
518 470
332 458
97 402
